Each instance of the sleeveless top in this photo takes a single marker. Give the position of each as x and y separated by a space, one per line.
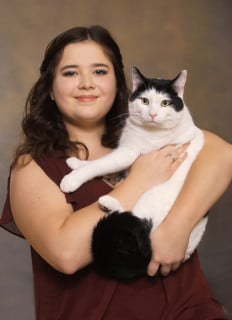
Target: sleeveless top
85 295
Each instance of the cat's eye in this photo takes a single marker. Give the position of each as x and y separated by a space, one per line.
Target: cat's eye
165 103
144 100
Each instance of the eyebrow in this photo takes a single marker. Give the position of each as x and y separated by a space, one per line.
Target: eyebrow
75 66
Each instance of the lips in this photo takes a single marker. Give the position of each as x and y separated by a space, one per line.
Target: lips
86 98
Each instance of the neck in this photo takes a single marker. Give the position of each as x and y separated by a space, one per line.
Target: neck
91 138
84 132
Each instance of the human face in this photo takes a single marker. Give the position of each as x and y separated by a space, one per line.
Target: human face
84 85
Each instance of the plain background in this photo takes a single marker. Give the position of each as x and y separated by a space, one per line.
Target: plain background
161 38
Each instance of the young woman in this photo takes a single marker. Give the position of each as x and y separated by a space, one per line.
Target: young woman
73 110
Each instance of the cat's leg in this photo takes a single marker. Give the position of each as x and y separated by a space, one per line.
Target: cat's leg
75 163
110 204
118 160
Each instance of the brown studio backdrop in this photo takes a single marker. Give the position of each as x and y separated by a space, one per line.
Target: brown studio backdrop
161 38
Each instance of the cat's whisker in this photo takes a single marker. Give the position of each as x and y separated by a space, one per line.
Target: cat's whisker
121 119
120 116
135 114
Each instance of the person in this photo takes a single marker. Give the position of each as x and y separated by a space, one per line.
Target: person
76 108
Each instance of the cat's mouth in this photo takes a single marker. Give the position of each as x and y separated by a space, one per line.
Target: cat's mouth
154 121
158 124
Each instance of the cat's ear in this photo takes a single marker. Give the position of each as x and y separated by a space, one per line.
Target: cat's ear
137 78
179 83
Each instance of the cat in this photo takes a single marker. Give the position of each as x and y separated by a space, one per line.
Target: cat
157 116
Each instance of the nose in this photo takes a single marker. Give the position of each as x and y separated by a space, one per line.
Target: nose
152 115
86 82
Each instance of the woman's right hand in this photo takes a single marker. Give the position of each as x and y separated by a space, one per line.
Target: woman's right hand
158 166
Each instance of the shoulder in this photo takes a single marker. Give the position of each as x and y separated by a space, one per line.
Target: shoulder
28 179
24 166
52 166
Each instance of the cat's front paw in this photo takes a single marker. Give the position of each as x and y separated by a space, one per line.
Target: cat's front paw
75 163
110 204
70 183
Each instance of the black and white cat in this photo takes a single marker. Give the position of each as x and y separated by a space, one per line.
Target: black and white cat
157 116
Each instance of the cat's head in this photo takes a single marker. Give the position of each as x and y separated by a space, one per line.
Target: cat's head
157 102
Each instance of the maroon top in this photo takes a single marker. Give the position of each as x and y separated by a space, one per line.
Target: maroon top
183 295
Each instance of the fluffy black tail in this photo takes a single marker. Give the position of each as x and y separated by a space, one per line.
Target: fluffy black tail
121 246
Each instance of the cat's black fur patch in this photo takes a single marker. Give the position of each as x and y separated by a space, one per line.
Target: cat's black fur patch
121 246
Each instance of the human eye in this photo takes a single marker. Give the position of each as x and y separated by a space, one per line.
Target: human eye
69 73
100 72
144 100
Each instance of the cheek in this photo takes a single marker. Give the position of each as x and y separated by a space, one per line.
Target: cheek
61 88
140 109
110 90
145 112
169 115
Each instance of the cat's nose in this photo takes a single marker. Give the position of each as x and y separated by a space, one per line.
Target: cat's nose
152 115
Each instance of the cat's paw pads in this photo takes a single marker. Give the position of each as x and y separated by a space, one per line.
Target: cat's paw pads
75 163
110 204
69 183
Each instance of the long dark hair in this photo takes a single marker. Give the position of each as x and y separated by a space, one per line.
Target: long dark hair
43 127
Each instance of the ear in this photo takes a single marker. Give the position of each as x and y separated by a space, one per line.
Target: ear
137 78
179 83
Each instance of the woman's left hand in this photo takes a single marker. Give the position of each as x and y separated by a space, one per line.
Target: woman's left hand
169 245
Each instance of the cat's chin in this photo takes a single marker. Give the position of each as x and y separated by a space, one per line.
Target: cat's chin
158 124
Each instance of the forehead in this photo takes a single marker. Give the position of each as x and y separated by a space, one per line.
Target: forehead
84 53
155 94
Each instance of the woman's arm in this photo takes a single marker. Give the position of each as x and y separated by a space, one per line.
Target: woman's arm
208 178
47 221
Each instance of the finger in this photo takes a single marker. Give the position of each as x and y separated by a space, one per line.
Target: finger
174 146
152 268
168 149
173 151
165 269
178 161
180 150
175 266
182 146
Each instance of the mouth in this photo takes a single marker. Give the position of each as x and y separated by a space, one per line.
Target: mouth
86 98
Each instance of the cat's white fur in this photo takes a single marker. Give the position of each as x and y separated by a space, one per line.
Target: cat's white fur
140 135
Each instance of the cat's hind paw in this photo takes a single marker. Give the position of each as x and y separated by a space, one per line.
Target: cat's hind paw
75 163
110 204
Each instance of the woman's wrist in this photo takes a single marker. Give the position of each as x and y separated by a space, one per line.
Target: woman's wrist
128 192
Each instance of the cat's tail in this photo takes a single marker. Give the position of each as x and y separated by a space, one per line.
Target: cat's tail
121 246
